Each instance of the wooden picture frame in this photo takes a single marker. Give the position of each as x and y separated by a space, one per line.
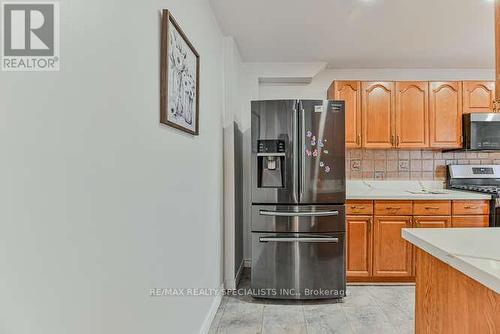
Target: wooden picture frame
180 78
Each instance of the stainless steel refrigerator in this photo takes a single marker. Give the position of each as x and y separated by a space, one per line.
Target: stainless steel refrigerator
298 196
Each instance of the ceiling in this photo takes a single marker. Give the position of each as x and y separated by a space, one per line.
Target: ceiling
362 33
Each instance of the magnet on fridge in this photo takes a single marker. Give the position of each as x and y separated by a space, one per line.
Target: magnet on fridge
308 152
309 134
315 153
327 169
321 164
325 151
313 143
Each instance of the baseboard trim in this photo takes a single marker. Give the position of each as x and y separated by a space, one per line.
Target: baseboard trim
207 323
238 274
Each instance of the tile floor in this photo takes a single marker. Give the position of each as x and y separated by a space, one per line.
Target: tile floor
366 309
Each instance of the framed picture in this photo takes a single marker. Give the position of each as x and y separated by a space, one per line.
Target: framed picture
180 78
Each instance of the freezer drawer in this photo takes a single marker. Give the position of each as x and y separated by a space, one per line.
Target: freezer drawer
298 266
289 218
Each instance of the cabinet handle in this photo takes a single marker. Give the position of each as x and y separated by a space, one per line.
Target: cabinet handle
370 223
357 207
432 208
397 141
470 207
392 140
358 140
393 208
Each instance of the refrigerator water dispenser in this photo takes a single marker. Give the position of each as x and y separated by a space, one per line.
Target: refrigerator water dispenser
271 163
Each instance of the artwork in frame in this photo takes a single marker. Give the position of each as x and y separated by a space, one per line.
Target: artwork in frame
180 78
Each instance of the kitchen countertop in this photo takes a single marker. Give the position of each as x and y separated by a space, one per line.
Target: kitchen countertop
473 251
406 190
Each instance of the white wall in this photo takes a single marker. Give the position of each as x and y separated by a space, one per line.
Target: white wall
98 201
232 98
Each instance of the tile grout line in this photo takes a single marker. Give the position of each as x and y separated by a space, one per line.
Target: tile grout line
262 320
304 316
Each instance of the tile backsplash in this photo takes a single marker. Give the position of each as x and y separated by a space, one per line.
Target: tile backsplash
409 165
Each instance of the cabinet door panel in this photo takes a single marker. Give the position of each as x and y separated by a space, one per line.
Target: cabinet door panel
478 96
412 114
359 246
378 114
392 255
470 221
432 222
445 112
428 222
350 92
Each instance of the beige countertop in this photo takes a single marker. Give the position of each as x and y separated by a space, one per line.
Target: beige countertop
406 190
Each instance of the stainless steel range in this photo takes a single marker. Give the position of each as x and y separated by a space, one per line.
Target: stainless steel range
298 196
478 178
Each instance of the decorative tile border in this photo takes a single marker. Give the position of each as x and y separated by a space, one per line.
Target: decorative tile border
409 165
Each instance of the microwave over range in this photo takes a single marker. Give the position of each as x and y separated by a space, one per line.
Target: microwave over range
481 131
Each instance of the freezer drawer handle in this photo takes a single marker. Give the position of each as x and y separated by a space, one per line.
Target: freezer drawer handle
299 214
270 239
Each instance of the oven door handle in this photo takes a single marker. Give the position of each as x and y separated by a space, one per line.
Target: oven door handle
309 240
298 214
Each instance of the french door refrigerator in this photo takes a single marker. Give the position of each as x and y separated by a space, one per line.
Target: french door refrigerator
298 196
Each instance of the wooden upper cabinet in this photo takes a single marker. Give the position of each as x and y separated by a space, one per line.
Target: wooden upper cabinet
378 110
445 112
392 255
412 114
359 246
478 96
350 92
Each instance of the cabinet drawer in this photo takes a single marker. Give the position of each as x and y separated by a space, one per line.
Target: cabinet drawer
432 208
470 221
471 208
393 208
359 207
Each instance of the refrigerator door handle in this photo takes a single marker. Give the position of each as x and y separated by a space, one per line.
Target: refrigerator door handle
302 152
295 153
299 239
299 214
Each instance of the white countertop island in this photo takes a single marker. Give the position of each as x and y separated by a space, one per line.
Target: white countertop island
473 251
406 190
457 279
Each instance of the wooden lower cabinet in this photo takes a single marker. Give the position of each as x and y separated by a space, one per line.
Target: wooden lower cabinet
375 250
470 221
359 246
392 255
449 302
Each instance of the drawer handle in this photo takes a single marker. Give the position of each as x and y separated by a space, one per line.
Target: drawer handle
311 240
470 207
357 207
299 214
393 208
432 208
